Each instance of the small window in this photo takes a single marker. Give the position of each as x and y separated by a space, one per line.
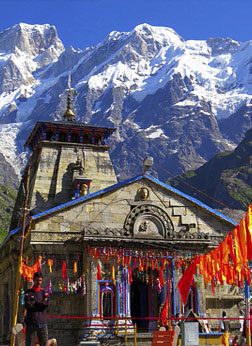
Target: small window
63 137
75 138
50 135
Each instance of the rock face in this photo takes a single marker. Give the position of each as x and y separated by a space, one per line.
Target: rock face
180 101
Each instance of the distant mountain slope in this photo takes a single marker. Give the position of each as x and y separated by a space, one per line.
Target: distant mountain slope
227 177
8 190
7 200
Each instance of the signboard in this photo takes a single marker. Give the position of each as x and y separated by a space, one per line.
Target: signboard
190 333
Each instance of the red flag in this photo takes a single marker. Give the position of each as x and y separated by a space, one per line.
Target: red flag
129 275
63 269
165 311
186 281
161 277
98 272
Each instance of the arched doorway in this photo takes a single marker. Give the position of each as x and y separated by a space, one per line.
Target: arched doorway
108 303
107 300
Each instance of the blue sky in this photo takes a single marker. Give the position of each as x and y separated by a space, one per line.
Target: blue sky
82 23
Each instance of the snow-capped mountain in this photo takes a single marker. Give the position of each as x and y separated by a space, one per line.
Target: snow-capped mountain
178 101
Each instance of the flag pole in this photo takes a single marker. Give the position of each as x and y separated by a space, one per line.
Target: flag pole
20 258
247 305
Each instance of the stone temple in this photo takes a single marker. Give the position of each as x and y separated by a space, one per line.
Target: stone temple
107 249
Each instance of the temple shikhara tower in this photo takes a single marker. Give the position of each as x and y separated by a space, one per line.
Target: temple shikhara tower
105 248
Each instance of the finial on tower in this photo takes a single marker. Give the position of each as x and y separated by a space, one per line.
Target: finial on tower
69 114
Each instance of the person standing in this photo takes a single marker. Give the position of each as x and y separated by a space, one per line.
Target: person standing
36 302
224 324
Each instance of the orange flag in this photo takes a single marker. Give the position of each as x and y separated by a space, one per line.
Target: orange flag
248 225
225 251
238 252
243 241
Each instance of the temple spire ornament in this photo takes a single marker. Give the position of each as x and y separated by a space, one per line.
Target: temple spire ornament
69 114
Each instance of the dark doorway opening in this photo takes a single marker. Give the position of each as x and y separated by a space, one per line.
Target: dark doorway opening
145 300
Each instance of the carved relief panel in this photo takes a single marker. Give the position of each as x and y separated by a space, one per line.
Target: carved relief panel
148 221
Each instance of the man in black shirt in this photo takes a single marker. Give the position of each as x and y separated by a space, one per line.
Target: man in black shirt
36 302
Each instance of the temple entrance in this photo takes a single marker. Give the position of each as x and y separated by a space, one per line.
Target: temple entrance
144 301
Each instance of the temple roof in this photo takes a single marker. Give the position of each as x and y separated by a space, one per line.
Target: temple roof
129 181
149 178
67 125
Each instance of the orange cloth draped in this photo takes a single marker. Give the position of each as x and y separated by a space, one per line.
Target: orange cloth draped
50 264
225 251
226 262
75 267
215 257
242 234
238 253
28 272
248 225
113 274
186 280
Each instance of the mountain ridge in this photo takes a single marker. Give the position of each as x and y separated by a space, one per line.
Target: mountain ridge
168 97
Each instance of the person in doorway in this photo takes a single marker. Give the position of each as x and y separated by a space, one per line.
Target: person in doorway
224 324
36 303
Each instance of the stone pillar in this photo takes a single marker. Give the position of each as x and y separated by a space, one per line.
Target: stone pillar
93 284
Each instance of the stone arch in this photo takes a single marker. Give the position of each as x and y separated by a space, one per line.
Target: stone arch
148 221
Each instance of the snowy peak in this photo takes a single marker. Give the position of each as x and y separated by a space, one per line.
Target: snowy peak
160 34
23 50
164 94
30 39
223 45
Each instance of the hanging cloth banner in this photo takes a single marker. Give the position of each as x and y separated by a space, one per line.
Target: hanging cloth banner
98 272
75 267
28 272
50 264
113 274
185 282
63 270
